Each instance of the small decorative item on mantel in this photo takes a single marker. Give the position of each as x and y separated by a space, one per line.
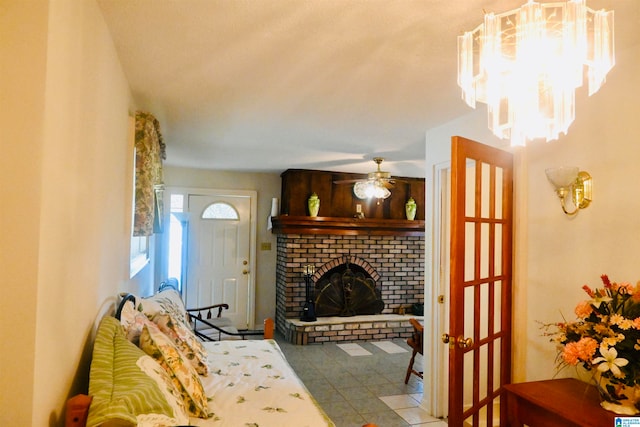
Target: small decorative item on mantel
314 205
410 209
605 340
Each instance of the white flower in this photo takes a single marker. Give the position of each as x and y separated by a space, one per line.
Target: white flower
610 361
597 300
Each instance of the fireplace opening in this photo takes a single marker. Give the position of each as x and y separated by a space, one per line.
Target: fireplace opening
347 290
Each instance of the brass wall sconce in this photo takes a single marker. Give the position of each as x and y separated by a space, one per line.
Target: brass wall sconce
571 183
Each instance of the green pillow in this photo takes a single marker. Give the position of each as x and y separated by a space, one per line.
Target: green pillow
123 394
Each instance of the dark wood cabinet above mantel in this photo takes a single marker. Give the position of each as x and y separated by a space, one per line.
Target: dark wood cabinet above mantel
338 205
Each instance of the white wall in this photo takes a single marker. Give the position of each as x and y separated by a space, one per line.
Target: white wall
22 80
65 217
565 253
268 186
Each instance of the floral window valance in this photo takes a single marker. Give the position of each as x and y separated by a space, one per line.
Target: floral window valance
150 151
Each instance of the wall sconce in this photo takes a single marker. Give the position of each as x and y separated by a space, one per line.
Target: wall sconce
570 182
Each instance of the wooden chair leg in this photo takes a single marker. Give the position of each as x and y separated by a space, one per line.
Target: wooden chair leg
410 368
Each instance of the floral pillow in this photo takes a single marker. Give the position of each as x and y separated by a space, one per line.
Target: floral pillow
157 345
186 341
132 322
168 301
154 371
188 344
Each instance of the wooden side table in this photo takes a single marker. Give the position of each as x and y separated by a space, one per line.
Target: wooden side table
562 402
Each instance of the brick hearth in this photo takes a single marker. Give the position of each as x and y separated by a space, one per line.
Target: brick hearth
395 262
347 329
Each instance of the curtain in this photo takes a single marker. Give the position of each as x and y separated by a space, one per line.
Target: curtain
150 151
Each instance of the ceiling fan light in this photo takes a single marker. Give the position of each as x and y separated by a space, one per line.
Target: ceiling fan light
378 191
370 190
360 189
374 186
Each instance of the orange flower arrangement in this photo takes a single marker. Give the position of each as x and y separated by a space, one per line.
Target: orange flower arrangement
606 334
605 337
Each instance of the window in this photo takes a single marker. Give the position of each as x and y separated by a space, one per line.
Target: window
177 237
139 256
220 210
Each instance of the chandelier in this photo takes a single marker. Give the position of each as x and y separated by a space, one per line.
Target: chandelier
526 65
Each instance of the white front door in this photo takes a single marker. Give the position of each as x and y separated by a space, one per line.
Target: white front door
219 255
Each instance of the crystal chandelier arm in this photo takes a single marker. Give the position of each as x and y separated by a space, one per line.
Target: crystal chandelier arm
465 68
603 50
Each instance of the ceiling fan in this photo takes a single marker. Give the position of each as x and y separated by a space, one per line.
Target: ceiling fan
376 185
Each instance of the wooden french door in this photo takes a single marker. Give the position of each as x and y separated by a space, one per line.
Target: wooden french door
479 338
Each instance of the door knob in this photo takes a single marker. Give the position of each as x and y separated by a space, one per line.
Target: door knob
245 271
448 339
461 341
464 342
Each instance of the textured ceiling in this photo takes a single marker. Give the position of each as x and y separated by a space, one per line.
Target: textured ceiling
266 85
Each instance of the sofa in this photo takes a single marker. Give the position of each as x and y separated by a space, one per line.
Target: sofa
148 368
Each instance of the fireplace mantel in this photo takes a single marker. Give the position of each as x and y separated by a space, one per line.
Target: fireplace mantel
285 224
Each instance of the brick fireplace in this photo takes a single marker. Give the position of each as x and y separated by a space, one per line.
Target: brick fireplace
394 262
372 237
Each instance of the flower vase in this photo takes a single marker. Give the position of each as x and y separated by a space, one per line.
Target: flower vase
618 398
314 204
410 209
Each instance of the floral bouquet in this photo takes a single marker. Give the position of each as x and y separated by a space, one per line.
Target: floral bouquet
605 339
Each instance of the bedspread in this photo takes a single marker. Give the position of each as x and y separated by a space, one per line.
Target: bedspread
252 384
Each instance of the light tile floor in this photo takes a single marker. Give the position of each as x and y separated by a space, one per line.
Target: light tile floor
354 390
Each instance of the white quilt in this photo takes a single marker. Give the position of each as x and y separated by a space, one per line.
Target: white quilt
251 384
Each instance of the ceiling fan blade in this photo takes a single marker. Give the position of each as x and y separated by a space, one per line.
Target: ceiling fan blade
379 177
348 181
394 181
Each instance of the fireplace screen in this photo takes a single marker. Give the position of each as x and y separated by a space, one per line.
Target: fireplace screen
345 292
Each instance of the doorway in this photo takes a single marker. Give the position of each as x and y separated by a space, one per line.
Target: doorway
210 247
471 280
